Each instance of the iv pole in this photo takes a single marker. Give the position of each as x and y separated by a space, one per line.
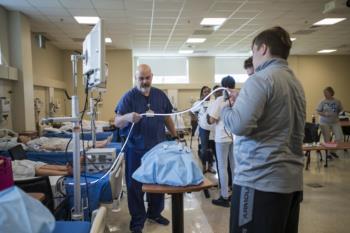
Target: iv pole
77 211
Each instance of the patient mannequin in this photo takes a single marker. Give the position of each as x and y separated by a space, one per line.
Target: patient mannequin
54 170
56 144
27 168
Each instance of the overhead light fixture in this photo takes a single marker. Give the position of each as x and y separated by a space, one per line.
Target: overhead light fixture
329 21
212 21
185 51
108 40
327 51
293 39
87 19
195 40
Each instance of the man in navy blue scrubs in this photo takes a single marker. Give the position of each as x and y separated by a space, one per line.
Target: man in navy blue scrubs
147 132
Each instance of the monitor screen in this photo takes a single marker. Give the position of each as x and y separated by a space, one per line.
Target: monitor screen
94 56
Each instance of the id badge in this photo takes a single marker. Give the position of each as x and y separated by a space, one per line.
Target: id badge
149 113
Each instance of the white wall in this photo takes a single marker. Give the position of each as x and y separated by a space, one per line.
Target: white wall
21 57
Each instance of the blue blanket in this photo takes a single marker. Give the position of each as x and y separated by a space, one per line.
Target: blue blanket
97 192
59 158
168 163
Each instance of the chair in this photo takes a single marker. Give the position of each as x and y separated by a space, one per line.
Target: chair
116 181
346 132
40 184
312 135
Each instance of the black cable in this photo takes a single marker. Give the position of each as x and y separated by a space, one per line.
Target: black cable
82 138
66 150
59 185
67 95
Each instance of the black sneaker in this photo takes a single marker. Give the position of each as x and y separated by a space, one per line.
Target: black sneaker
160 220
221 202
211 170
334 155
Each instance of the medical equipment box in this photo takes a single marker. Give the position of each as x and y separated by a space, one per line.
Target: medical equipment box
99 159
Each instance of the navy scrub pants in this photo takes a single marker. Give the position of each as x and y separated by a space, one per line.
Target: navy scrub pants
135 195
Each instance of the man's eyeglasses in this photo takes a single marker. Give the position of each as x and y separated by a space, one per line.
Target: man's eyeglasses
144 78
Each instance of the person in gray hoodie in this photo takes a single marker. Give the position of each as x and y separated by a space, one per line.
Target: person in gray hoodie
268 119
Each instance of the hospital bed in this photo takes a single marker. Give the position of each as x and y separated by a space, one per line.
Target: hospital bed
105 191
86 135
97 225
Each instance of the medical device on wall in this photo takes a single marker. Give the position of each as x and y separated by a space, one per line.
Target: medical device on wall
37 109
38 104
99 159
7 134
5 108
94 57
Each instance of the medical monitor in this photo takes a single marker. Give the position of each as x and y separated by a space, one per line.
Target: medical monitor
94 56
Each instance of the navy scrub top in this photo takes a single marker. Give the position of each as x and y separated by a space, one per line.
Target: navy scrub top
149 131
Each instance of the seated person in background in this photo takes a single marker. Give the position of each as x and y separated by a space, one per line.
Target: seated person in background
56 144
27 168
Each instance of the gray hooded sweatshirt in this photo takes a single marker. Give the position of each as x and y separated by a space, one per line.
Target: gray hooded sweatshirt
268 119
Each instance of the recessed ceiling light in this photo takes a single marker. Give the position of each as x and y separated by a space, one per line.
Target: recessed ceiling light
212 21
329 21
185 51
87 19
293 39
108 40
196 40
327 51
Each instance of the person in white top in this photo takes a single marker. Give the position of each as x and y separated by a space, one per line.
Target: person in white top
206 155
223 144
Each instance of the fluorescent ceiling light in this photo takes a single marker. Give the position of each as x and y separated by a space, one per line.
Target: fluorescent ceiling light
329 21
185 51
87 19
327 51
293 39
213 21
108 40
196 40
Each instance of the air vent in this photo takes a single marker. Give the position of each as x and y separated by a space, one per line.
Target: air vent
200 51
315 185
343 46
303 32
202 32
78 39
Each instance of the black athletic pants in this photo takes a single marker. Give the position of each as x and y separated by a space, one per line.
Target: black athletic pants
253 211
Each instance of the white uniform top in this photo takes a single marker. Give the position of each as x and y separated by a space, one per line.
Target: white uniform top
221 134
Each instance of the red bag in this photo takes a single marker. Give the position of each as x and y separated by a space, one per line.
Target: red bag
6 176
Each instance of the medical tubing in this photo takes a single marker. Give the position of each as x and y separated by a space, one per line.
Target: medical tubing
114 163
155 114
